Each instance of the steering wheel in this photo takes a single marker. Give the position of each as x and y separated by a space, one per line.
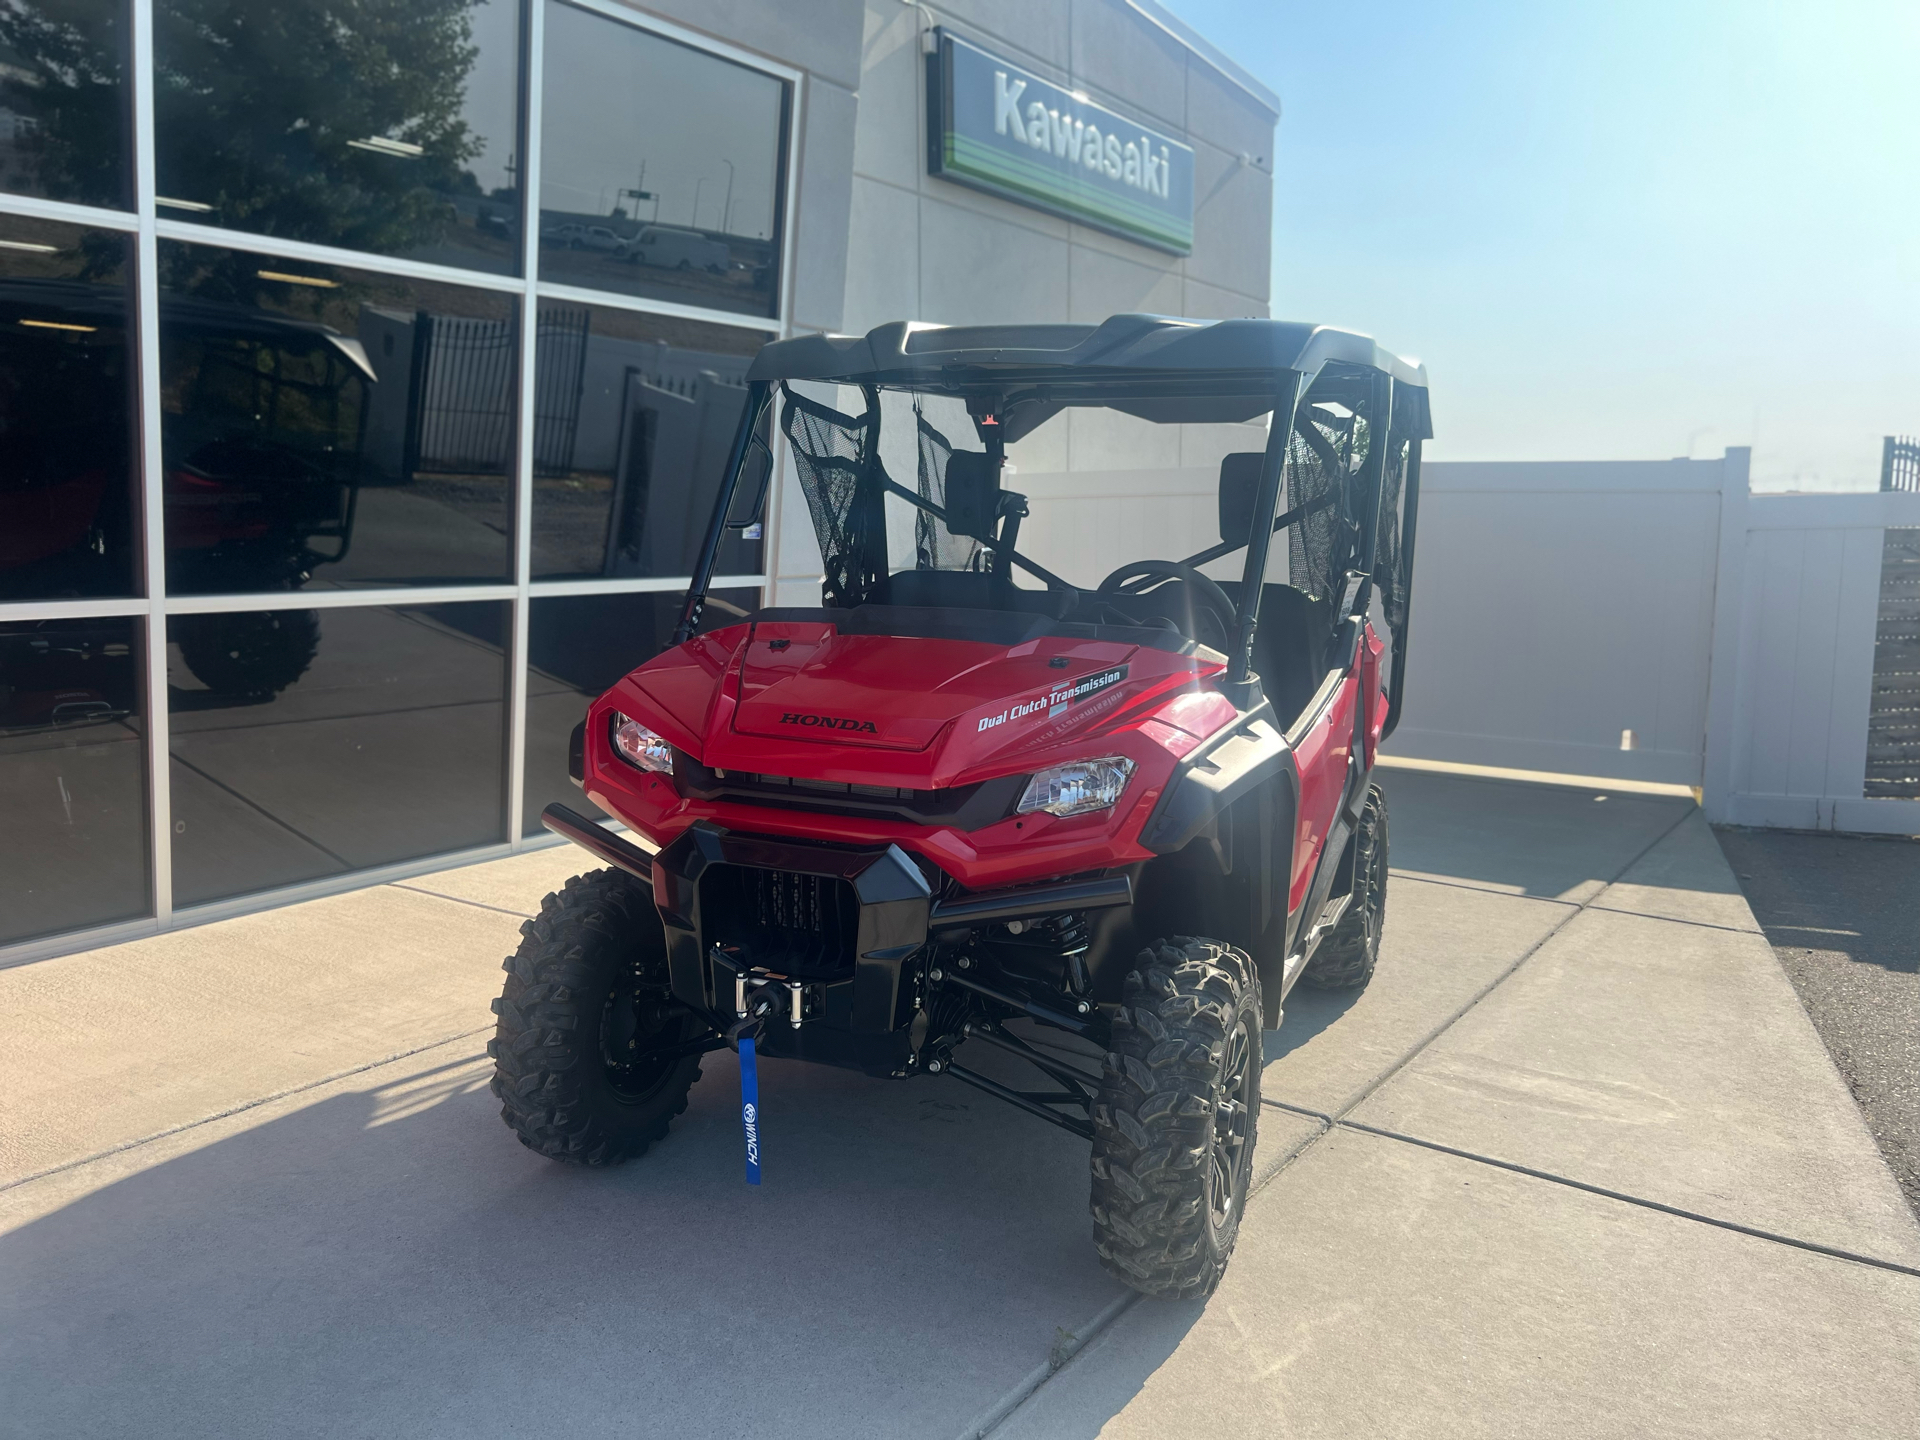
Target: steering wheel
1212 598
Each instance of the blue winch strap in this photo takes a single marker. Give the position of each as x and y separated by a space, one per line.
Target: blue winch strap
750 1107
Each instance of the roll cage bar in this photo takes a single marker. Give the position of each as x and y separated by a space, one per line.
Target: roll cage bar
1287 392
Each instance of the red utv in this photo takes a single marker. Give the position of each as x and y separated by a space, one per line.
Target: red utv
946 812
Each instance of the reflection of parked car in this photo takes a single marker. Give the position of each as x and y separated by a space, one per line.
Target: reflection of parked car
582 237
673 249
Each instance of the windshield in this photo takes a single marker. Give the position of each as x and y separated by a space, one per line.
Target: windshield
1084 490
1103 501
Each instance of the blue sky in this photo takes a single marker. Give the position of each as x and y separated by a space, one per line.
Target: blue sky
1617 231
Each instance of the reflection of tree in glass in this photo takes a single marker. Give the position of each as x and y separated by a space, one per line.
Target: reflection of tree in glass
258 107
62 66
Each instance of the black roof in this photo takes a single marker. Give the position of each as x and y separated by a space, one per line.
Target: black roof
109 303
904 351
1158 367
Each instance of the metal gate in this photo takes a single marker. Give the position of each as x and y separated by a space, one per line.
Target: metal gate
1893 726
460 396
559 367
1900 463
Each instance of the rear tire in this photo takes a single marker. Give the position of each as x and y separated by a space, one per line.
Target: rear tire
255 654
1176 1117
1345 959
586 997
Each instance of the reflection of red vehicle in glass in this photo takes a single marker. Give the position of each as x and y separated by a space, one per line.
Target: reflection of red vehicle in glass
65 672
65 447
264 423
268 418
263 426
54 518
232 497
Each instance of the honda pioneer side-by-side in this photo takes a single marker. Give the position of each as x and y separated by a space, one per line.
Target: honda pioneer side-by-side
969 810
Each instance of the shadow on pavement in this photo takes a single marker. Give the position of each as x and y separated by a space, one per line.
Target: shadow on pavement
1840 912
1547 841
1309 1013
391 1262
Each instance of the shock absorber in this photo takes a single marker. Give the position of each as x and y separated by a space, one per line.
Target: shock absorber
1073 934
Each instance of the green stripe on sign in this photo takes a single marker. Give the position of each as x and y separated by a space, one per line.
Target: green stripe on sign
1034 172
1066 193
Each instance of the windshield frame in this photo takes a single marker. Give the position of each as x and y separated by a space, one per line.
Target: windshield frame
993 393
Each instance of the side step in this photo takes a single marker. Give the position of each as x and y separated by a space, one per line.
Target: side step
1330 915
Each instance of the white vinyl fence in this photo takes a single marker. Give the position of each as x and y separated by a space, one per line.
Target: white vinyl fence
1563 615
1789 747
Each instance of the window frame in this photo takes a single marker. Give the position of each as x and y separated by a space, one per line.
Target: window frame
148 224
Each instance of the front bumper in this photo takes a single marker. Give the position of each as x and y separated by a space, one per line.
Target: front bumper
844 921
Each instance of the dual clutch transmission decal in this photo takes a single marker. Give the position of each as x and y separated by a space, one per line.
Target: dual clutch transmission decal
1056 702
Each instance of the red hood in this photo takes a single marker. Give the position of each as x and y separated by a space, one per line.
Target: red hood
801 699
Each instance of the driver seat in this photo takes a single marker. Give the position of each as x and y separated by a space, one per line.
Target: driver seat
1175 601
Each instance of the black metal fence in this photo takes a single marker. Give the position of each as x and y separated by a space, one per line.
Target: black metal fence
460 396
460 406
1893 726
1900 463
560 365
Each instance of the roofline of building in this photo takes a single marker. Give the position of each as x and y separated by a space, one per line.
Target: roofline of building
1162 19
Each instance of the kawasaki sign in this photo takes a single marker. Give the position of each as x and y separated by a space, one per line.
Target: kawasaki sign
999 128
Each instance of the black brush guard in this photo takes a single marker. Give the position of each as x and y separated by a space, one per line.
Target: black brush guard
843 930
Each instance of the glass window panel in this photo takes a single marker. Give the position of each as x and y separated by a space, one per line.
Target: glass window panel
383 125
332 428
65 123
73 776
577 646
633 422
660 167
314 742
67 475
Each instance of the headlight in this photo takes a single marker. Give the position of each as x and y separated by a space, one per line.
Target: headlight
1077 787
640 747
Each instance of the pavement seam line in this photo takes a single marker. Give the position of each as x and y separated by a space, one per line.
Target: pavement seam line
255 805
1677 920
996 1414
1579 908
185 1126
1816 1248
1329 1123
461 900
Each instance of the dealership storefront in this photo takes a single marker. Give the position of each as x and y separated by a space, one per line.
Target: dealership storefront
367 371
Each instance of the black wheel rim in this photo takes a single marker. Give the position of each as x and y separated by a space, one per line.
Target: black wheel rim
1372 898
640 1033
1232 1119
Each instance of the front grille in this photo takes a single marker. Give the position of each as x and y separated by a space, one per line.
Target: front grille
964 807
784 920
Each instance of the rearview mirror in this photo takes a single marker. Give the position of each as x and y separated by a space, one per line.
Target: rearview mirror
973 494
1239 488
750 493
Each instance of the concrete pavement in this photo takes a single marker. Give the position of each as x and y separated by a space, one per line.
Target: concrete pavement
1575 1163
1840 911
